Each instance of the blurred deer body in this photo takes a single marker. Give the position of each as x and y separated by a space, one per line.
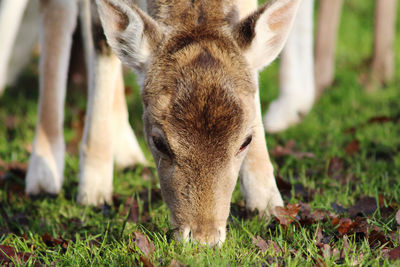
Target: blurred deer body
198 62
381 68
296 74
107 133
298 88
18 34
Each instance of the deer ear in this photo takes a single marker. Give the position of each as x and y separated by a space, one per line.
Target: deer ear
132 34
262 35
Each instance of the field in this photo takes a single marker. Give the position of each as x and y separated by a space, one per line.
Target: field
343 194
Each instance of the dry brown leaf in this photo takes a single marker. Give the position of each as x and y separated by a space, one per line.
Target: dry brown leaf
335 168
9 254
394 254
131 207
346 246
317 215
51 241
318 236
275 246
329 252
288 150
353 147
379 119
146 246
260 243
287 215
146 262
345 226
265 245
364 206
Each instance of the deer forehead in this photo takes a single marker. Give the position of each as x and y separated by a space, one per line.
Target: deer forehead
199 98
198 59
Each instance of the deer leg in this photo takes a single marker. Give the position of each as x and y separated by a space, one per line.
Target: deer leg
297 88
325 43
382 67
11 12
46 164
26 39
127 151
96 155
257 177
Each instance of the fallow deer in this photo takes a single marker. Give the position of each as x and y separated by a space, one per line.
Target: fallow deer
298 88
197 63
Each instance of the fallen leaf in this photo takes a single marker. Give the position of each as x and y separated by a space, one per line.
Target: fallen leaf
307 217
365 206
260 243
275 246
398 217
335 168
329 252
353 147
287 215
378 238
8 254
345 226
394 254
387 212
379 119
317 215
284 187
346 243
131 209
288 150
146 246
51 241
318 236
361 226
146 262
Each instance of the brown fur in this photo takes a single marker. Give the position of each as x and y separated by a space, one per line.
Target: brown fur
200 105
202 115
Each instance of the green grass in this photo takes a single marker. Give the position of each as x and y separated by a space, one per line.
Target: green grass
105 236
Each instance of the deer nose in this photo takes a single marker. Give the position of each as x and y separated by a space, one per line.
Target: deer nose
204 235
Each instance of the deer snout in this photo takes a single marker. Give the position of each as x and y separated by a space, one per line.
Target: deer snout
204 234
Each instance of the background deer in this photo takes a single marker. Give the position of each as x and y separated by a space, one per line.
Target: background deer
300 83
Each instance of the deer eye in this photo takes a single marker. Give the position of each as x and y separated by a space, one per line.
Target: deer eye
245 144
161 146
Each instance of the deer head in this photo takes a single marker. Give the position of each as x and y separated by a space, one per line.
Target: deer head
198 65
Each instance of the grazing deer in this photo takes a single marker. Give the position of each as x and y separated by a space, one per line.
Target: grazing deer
197 62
